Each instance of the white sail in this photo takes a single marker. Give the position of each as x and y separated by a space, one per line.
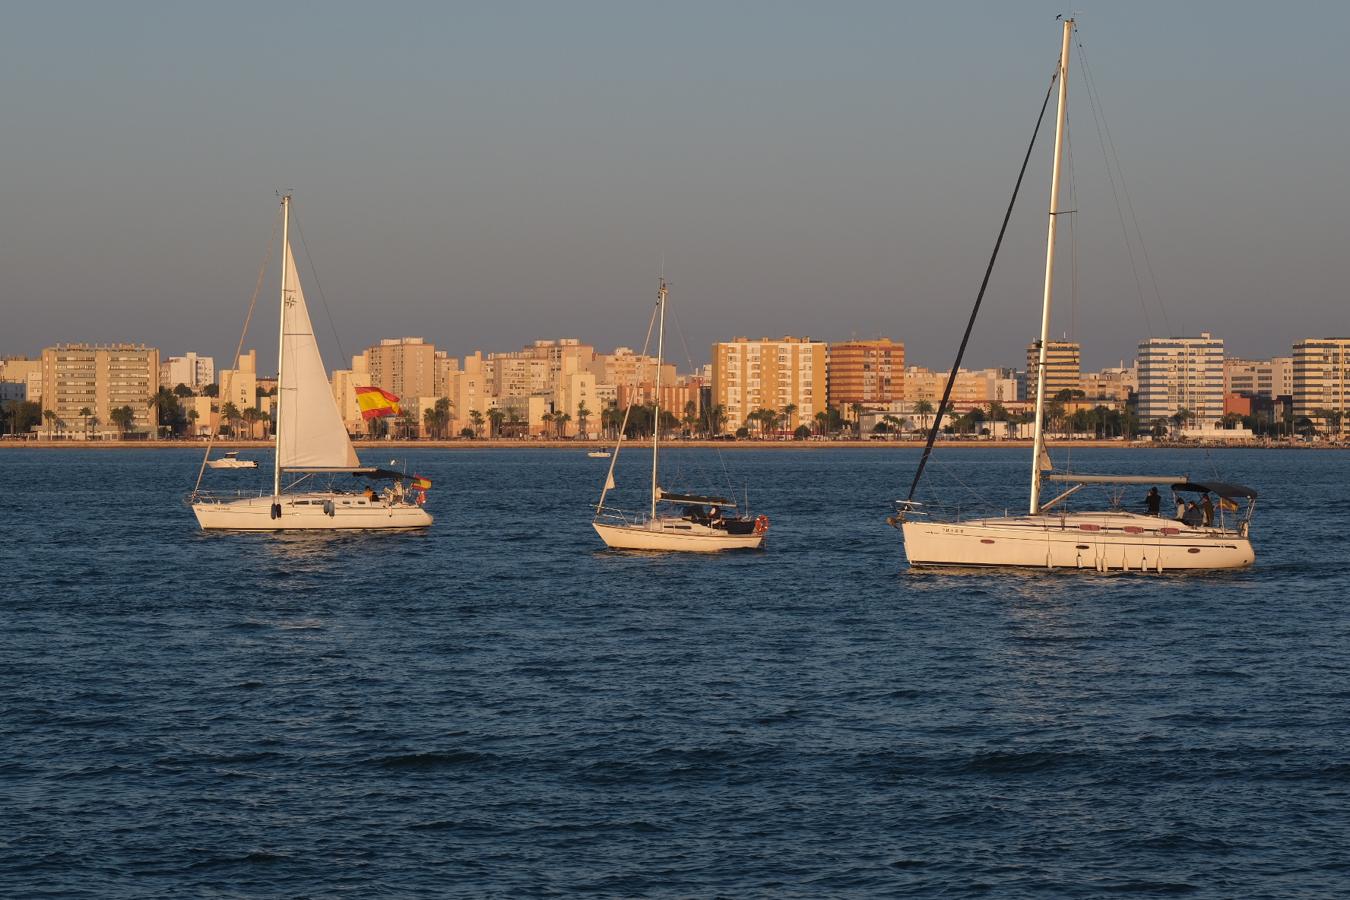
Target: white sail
310 433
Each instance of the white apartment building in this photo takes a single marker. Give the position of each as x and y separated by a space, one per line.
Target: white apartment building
1322 382
1179 373
190 369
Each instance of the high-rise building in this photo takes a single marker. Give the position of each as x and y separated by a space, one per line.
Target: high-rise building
240 386
406 367
100 378
1063 368
771 374
1181 373
190 369
1322 382
871 373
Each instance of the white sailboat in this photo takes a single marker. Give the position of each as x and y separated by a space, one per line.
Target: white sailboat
1050 536
698 523
311 441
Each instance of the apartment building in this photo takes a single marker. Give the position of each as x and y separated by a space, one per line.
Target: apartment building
1063 368
1322 382
240 386
99 378
971 388
406 367
190 369
20 379
871 373
769 374
1268 378
1177 373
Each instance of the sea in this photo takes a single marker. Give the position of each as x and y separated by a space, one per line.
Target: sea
500 707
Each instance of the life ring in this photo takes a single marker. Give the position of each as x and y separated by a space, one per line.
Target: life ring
761 524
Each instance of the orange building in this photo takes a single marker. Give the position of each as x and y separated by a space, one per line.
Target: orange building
871 373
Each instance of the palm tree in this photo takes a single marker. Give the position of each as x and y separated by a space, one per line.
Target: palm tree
923 409
716 418
122 417
690 420
229 413
49 417
251 416
560 419
582 415
547 419
857 410
515 420
788 412
822 422
85 413
495 418
476 417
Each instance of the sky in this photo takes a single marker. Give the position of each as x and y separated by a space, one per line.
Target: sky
484 174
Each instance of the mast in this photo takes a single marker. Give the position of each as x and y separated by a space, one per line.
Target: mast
1038 440
660 355
281 341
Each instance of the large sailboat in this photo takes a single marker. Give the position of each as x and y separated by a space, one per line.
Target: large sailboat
1051 536
311 443
685 522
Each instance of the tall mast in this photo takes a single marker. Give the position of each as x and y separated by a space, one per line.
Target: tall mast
281 341
660 356
1038 441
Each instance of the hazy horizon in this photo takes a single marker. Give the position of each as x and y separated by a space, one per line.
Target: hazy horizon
487 176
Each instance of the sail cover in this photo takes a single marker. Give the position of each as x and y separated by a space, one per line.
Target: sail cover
310 434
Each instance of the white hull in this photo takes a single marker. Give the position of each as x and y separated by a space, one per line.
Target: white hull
678 535
233 464
308 512
1109 541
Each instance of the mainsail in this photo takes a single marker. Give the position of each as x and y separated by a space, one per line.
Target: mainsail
310 433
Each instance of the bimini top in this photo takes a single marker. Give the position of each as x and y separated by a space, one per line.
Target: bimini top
1227 491
374 473
669 497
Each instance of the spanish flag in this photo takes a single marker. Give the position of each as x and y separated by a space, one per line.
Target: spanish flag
376 403
421 484
1230 505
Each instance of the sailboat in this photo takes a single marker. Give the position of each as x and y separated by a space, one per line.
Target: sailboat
311 441
684 522
1050 536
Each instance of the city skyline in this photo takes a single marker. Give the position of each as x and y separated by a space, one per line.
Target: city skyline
840 172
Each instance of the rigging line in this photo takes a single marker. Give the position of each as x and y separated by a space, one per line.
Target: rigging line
1094 101
328 312
979 298
239 350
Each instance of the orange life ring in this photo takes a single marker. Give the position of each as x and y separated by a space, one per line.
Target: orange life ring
761 524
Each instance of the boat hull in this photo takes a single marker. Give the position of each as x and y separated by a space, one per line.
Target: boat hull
1095 541
308 512
675 535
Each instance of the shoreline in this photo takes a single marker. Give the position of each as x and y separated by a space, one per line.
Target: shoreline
580 446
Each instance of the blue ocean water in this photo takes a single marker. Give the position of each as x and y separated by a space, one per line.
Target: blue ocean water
499 707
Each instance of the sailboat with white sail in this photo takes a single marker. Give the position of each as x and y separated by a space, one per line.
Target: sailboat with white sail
1050 536
673 521
311 442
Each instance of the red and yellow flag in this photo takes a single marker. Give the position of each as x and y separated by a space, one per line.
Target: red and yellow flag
421 484
376 403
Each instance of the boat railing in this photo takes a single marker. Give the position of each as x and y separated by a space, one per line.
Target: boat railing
225 496
610 515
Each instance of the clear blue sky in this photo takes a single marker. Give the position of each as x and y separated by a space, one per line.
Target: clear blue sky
483 174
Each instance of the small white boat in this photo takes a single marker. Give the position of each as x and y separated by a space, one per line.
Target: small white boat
599 454
692 528
231 460
310 441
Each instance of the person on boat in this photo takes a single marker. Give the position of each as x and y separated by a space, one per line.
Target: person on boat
370 494
1181 508
1194 516
1208 506
694 513
1154 502
715 518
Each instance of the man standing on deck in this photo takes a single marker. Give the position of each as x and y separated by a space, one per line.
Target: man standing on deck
1154 501
1208 506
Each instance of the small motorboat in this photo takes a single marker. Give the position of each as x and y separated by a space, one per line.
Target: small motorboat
231 460
599 454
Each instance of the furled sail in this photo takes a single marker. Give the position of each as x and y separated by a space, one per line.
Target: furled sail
310 433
